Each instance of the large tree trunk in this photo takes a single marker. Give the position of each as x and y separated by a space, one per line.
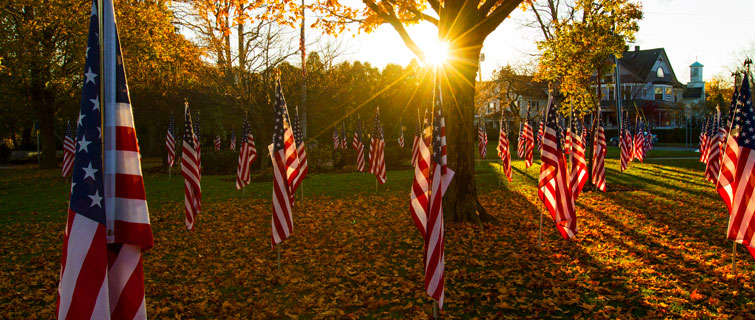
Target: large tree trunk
458 85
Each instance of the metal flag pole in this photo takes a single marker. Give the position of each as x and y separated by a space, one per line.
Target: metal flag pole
278 249
435 309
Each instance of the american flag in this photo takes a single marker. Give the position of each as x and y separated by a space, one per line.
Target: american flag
625 144
217 143
639 141
108 222
503 148
377 150
69 150
415 145
401 137
529 141
301 151
718 133
420 193
232 144
704 141
247 155
359 145
198 147
344 140
481 139
285 169
336 139
729 157
540 133
599 157
578 163
648 139
170 141
190 167
554 185
520 142
741 222
440 178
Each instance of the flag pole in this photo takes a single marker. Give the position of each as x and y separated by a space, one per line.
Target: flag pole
435 309
734 258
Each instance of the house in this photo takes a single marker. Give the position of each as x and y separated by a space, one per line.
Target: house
650 89
518 91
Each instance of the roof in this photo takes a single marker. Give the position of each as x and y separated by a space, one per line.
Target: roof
692 93
697 64
641 62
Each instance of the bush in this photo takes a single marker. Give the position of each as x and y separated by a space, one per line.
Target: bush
221 162
395 156
319 156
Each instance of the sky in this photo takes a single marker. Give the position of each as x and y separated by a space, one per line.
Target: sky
711 32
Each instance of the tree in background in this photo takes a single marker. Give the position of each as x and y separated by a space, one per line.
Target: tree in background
463 26
580 37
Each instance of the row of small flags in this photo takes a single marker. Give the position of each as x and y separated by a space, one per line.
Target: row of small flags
728 151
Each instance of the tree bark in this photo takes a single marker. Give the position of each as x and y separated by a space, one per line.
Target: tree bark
458 85
43 102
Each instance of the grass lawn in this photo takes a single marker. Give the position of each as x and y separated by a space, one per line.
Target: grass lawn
653 246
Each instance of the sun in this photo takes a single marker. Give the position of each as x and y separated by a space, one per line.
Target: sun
436 52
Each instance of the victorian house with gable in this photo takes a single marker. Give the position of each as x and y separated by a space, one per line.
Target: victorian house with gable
649 88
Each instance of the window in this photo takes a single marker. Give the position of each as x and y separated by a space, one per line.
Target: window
626 92
658 93
669 93
695 72
660 73
611 93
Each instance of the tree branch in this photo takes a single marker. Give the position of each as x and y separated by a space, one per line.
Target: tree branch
494 19
394 21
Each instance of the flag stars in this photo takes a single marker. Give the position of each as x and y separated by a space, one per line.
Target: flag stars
83 143
81 117
90 75
96 199
95 102
89 172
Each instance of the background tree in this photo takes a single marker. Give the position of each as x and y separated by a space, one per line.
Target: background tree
577 48
463 25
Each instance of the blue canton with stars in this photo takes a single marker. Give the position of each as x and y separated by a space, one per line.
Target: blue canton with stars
87 187
378 132
745 120
172 125
437 123
278 121
298 134
245 132
188 137
732 107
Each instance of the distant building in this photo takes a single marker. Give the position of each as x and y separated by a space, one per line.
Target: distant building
649 87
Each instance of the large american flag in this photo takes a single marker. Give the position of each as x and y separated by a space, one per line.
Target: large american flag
415 145
440 178
625 144
401 137
419 196
639 141
554 185
247 155
377 150
301 151
503 148
108 222
599 157
190 166
170 141
285 169
359 145
578 163
68 150
729 156
529 141
481 140
717 135
741 222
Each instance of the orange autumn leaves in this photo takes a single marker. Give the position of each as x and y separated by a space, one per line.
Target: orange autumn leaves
654 249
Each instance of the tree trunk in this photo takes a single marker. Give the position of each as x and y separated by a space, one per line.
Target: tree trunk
44 105
460 203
